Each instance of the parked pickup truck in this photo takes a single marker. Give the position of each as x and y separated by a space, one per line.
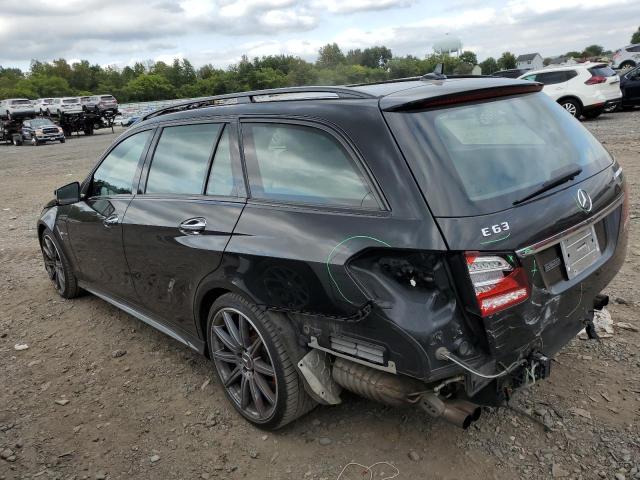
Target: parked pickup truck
41 130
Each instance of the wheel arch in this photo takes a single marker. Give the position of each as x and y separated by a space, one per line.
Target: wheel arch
210 291
570 97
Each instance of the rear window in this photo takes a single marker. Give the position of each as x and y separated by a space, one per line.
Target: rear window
107 97
480 158
70 100
20 102
602 71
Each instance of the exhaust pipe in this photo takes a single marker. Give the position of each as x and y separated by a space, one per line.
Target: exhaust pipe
471 409
458 412
394 390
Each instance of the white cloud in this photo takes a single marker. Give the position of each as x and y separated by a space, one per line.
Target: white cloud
351 6
220 31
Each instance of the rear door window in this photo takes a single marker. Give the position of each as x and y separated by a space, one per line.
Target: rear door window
115 174
181 159
303 164
551 78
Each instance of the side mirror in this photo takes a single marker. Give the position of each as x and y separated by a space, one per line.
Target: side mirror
68 194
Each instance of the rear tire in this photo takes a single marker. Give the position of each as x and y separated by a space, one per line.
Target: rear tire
628 65
261 382
572 107
58 267
613 108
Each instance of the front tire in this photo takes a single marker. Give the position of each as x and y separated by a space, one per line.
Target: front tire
254 367
58 267
572 107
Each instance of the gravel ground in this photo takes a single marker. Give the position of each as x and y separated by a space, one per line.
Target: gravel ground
99 395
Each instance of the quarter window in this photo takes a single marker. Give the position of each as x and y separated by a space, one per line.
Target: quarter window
221 180
295 163
181 159
115 175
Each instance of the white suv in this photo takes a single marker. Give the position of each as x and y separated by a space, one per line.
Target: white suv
64 105
627 57
42 104
16 107
585 89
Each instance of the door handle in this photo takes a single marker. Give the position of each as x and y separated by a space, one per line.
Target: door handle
111 220
193 226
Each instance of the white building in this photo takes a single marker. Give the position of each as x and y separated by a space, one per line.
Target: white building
531 61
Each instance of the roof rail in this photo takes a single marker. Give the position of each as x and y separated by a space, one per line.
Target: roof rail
260 96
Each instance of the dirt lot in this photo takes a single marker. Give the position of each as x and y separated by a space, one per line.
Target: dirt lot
157 411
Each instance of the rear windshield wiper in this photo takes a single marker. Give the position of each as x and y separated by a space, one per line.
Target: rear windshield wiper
566 174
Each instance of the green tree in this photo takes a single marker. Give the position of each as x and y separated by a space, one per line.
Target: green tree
376 57
149 86
593 51
403 67
463 68
330 56
468 57
635 38
489 66
507 61
50 86
302 73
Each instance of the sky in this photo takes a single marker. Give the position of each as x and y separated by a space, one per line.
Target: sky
122 32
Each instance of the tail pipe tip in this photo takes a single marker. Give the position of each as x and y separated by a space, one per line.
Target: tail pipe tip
458 412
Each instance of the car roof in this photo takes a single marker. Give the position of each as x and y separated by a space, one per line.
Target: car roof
389 94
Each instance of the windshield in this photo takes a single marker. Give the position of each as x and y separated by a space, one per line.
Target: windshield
480 158
41 122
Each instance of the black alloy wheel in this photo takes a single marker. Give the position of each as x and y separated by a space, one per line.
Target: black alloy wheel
244 364
58 268
53 264
256 369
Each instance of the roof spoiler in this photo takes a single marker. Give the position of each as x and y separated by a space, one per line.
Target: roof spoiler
465 96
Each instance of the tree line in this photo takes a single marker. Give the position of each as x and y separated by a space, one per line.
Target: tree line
145 81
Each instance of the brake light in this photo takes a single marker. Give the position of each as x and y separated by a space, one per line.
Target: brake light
497 284
594 80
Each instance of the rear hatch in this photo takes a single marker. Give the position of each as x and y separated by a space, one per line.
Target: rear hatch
514 179
605 79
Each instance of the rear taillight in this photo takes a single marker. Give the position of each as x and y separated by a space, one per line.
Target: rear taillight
596 79
497 284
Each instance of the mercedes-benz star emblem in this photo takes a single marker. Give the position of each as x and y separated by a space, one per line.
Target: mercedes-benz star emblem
584 200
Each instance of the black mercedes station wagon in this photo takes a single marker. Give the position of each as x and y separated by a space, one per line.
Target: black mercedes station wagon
429 242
